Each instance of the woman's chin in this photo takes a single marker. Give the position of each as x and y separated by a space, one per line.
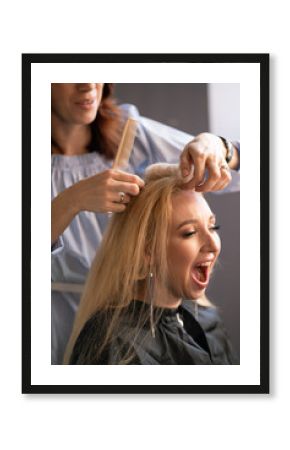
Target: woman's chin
195 294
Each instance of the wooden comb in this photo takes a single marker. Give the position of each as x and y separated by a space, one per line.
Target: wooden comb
126 144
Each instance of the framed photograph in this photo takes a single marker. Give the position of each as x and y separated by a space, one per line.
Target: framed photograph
173 98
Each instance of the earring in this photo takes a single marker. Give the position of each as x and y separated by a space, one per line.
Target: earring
150 291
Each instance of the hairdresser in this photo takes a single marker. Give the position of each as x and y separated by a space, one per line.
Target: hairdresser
86 127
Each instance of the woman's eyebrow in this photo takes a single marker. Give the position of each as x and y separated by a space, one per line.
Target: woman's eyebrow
186 222
194 221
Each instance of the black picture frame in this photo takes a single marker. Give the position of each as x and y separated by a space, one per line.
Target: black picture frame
263 61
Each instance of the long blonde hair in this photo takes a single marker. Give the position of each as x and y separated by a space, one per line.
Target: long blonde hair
134 245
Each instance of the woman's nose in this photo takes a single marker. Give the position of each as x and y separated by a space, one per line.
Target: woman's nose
211 242
85 87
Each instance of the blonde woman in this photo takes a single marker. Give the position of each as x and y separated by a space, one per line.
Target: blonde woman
160 250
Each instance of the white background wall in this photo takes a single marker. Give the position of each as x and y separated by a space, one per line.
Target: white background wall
224 109
150 422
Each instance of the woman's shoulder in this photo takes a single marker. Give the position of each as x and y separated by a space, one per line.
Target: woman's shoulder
217 336
130 110
88 348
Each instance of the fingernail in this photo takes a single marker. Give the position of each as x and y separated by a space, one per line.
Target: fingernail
185 172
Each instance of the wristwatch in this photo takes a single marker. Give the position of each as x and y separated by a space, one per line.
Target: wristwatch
229 147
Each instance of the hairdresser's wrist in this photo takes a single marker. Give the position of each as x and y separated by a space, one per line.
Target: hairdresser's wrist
74 199
231 153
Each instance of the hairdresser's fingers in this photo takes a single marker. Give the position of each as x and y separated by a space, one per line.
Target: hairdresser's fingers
204 151
185 162
214 176
198 174
199 171
128 188
223 186
225 179
121 197
119 175
222 182
116 207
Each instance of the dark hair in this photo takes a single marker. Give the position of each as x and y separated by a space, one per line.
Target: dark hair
107 126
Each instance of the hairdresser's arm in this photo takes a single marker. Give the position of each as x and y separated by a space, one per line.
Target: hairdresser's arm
207 152
99 194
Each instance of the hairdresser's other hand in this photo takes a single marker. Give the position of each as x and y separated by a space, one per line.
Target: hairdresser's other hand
103 192
207 154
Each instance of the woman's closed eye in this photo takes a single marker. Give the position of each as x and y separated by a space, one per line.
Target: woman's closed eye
190 233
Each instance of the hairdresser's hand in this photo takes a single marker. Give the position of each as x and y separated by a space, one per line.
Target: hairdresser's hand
206 153
103 192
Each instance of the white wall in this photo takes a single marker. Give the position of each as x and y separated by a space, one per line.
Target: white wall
224 109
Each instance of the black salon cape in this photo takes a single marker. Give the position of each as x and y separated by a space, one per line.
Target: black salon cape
179 339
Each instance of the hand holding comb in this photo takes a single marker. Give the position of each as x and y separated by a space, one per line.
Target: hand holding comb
126 144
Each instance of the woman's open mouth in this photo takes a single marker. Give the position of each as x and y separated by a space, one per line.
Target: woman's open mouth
200 273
